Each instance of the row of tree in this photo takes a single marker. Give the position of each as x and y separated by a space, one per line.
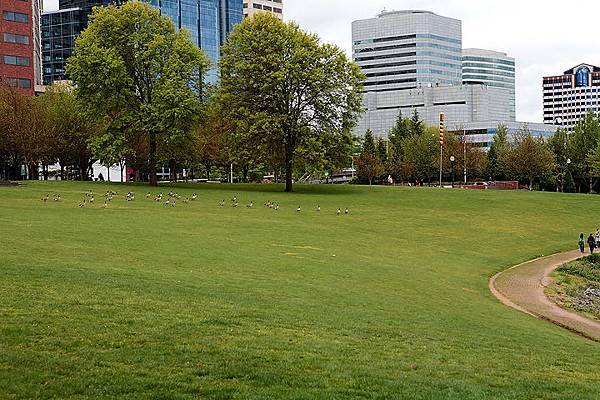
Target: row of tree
412 153
285 103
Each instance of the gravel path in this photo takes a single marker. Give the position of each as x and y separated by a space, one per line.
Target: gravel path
522 287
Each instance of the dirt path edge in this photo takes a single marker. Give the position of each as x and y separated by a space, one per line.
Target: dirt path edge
522 287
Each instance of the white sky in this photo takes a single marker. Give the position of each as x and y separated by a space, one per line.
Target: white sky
546 37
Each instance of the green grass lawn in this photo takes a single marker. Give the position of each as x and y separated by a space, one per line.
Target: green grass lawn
142 301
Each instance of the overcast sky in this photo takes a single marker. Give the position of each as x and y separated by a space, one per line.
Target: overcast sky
546 37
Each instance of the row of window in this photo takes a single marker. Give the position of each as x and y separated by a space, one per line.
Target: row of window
484 71
21 83
265 8
390 82
483 77
15 16
467 81
407 37
431 54
439 72
489 60
391 73
488 66
17 60
15 38
407 45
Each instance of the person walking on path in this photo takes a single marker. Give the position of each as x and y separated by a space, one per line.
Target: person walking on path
591 243
597 235
581 243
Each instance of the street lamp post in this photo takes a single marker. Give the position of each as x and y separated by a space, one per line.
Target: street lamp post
452 159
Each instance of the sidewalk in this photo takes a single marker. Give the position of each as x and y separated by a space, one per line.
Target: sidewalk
522 287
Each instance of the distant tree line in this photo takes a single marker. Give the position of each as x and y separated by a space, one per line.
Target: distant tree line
285 104
563 162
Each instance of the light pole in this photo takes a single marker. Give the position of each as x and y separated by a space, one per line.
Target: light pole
452 159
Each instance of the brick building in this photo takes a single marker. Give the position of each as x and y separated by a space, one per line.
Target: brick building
19 40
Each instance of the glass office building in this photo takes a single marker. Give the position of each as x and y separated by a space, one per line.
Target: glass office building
208 21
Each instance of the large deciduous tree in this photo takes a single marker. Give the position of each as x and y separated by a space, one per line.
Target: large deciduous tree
139 76
529 158
292 95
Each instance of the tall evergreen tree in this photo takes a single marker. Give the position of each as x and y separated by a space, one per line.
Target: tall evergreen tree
368 145
496 153
382 150
416 126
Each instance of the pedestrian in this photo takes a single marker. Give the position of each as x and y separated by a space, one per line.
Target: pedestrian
581 243
591 243
598 238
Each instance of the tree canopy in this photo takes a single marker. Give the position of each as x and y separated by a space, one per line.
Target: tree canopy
138 76
289 94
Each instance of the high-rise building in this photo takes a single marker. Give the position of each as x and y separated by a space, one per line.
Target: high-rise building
407 50
208 21
490 68
252 7
568 97
19 35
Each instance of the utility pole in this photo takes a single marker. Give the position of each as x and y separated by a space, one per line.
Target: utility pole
465 154
442 132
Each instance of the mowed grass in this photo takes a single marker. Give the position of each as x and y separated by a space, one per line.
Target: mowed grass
141 301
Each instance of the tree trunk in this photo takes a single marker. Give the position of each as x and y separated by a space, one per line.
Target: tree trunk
207 166
173 170
152 161
289 184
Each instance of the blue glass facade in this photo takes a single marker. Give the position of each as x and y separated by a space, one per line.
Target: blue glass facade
208 21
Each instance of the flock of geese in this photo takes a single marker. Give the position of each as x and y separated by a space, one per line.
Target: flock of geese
171 200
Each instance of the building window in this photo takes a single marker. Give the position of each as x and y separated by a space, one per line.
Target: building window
15 17
14 38
21 83
17 60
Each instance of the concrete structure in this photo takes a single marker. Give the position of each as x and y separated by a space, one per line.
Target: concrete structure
460 104
252 7
568 97
208 21
414 60
19 36
407 50
490 68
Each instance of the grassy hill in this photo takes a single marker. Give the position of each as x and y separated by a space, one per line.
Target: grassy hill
140 300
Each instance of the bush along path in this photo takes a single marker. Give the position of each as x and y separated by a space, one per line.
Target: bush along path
522 287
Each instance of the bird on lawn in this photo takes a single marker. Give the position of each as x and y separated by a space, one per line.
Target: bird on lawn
92 199
173 203
234 200
82 204
167 202
298 209
222 203
318 208
105 205
57 197
339 211
194 196
235 204
276 207
148 195
45 199
250 205
347 211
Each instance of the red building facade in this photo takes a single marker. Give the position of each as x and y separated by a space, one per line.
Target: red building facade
17 56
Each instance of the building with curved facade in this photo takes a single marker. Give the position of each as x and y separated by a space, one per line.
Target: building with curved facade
490 68
568 97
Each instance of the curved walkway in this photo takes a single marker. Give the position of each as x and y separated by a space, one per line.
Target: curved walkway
522 287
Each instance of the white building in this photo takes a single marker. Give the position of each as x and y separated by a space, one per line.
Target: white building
413 60
568 97
275 7
407 50
461 105
490 68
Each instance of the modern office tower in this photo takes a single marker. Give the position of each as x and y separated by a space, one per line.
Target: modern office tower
208 21
568 97
490 68
59 31
18 30
408 50
252 7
